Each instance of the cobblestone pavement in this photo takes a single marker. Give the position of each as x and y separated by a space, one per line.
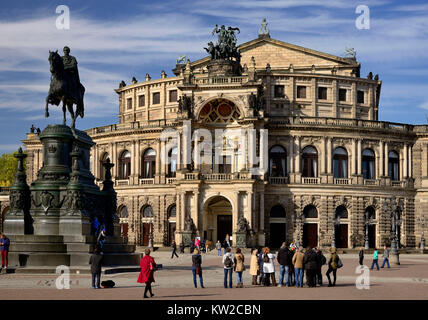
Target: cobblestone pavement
406 281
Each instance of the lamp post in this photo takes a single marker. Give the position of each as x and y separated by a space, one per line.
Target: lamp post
366 231
151 236
421 220
336 221
395 223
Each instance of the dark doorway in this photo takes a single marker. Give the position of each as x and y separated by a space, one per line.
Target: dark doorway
310 235
124 230
146 233
372 236
171 232
224 226
341 236
277 234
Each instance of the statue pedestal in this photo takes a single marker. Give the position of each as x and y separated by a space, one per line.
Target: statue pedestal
240 239
186 237
223 68
14 225
394 259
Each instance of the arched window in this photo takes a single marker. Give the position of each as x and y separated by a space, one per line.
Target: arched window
123 212
340 163
393 166
370 213
310 211
125 165
341 212
172 166
172 212
368 164
147 212
277 162
310 162
277 211
103 160
149 163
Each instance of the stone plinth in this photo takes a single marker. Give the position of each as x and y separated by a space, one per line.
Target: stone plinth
223 68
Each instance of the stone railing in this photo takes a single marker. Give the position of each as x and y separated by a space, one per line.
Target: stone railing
217 176
144 181
343 123
129 126
218 80
121 182
342 181
371 182
191 176
400 184
278 180
310 180
171 180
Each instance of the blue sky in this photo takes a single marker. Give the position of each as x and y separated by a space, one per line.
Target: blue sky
116 40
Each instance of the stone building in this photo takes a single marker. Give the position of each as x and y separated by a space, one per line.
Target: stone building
333 169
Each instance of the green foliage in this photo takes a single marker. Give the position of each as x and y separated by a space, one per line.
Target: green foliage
8 166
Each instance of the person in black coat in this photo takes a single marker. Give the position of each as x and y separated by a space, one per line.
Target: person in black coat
174 249
311 265
321 260
284 260
181 247
361 256
96 262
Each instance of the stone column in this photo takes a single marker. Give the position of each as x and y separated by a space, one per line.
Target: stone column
353 157
329 156
405 166
179 151
359 158
297 154
262 160
115 160
158 163
323 157
195 211
291 156
134 178
354 100
183 209
410 161
386 155
162 163
138 162
381 159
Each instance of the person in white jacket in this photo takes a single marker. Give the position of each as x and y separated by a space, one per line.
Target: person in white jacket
228 267
269 267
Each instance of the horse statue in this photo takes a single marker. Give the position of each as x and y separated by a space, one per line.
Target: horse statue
65 86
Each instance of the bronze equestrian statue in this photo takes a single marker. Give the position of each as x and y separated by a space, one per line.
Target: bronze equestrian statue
65 85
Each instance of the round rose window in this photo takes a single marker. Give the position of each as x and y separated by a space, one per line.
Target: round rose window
219 111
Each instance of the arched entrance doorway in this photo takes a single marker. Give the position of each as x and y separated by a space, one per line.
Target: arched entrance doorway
341 228
147 218
218 219
277 226
172 216
123 220
310 227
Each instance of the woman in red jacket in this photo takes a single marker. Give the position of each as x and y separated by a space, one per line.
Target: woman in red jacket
148 267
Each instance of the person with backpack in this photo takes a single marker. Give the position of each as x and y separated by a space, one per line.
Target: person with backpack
96 262
228 267
298 267
375 258
269 267
333 265
284 261
197 268
254 266
385 257
311 265
361 256
321 260
239 267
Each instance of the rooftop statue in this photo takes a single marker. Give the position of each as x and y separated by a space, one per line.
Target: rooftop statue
65 85
225 48
264 30
350 53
